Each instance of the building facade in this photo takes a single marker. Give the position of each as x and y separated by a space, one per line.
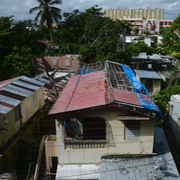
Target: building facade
134 13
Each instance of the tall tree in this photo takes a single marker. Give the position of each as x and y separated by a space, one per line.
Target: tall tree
47 13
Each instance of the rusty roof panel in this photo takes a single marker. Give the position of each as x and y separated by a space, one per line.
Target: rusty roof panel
27 85
9 100
17 90
91 92
126 97
6 104
30 80
22 87
12 95
4 109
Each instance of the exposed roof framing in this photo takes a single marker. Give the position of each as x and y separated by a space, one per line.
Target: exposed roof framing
115 73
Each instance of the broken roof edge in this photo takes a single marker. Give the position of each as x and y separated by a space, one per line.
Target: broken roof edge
149 115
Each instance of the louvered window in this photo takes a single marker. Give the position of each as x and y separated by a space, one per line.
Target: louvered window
34 101
132 130
54 62
17 113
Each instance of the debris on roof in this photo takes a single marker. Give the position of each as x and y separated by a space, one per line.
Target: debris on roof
60 80
105 83
160 166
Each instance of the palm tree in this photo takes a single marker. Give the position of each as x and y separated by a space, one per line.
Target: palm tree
47 13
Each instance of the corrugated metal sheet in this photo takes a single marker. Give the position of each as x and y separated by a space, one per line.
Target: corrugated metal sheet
141 167
148 74
30 80
27 85
126 96
12 95
4 109
9 100
85 171
90 92
17 90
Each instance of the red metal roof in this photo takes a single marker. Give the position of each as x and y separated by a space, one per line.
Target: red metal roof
92 91
126 96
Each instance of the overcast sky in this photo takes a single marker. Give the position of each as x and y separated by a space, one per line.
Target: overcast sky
20 8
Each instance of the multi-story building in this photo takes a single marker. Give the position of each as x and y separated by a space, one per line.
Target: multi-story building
135 13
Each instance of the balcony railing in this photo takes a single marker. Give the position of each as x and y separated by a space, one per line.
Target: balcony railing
85 144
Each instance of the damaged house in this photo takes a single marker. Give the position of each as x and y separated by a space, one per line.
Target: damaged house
104 111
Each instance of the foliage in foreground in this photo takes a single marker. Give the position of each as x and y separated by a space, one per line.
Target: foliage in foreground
164 97
19 48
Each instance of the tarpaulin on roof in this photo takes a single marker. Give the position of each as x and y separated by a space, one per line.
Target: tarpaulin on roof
139 88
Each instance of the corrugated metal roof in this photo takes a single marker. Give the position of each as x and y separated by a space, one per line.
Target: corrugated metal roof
90 92
85 171
9 100
12 95
4 109
15 91
30 80
27 85
142 167
148 74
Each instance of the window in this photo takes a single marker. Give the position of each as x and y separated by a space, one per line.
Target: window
67 62
34 101
54 62
164 66
149 85
149 66
132 130
85 129
17 113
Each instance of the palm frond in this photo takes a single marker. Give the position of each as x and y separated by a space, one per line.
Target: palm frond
56 2
55 15
43 17
40 1
35 9
56 9
37 16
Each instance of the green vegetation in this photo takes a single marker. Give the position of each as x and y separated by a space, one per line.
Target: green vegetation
92 36
48 13
19 48
171 39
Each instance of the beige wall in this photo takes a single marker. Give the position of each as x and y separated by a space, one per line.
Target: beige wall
26 106
51 150
5 136
116 144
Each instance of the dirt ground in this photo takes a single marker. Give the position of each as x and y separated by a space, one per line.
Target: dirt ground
173 145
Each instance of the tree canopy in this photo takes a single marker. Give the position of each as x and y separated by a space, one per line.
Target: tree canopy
18 48
92 36
171 39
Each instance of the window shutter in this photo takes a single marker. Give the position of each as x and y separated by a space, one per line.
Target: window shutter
67 62
54 62
132 131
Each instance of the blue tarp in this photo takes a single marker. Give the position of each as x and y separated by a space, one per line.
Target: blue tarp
139 87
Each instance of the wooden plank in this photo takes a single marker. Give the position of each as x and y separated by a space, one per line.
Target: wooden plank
139 118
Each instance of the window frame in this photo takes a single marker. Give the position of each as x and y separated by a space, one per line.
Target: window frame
131 127
34 100
17 113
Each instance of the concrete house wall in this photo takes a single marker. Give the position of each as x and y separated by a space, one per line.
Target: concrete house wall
115 136
174 116
156 84
27 109
5 136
